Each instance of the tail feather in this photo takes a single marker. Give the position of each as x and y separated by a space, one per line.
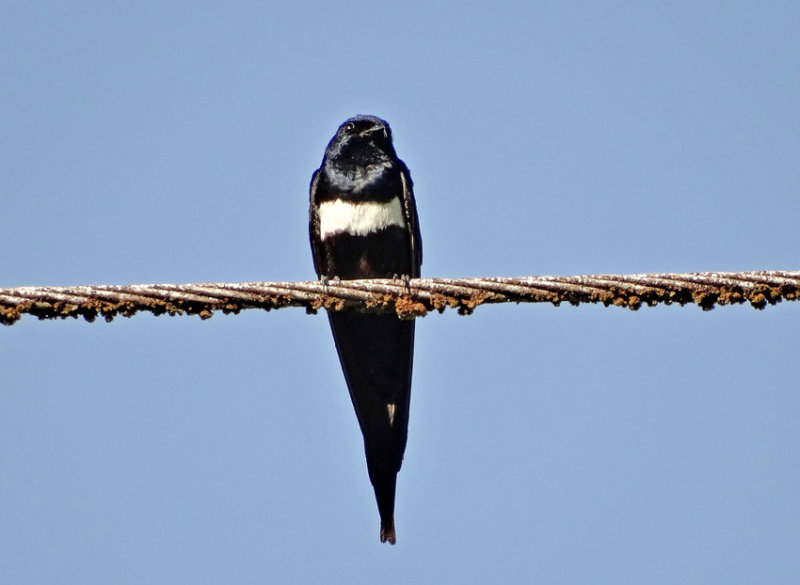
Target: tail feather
376 353
387 531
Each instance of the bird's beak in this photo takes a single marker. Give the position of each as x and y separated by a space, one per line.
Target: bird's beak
375 130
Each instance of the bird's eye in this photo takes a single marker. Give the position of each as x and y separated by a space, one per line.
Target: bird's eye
349 127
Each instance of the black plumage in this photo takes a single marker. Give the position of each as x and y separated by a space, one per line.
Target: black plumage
363 224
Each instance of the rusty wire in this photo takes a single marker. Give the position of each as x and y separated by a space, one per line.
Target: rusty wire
409 299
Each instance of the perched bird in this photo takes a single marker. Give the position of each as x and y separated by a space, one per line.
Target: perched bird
363 224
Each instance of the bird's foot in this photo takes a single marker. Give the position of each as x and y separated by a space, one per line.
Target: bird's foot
325 280
406 280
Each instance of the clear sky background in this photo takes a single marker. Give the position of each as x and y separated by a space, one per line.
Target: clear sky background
174 142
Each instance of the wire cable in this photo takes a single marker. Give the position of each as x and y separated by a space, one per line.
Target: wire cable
408 298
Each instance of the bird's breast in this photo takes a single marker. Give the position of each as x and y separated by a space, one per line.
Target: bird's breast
358 218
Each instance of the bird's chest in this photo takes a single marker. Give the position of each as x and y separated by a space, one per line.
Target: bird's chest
380 254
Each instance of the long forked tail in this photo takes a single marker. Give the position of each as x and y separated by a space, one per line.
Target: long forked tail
376 353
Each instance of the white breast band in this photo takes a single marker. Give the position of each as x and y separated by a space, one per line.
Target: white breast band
358 219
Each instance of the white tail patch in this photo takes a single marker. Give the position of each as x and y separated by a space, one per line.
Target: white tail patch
358 219
391 408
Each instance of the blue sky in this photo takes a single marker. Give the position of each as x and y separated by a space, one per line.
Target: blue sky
174 142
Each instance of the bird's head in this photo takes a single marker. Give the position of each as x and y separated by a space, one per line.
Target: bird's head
362 139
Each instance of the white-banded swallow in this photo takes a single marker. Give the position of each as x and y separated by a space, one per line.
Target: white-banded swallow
363 224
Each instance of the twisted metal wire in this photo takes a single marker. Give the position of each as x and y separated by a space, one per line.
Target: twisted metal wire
408 298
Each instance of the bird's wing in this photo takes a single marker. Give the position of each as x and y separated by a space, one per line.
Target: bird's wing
412 221
313 223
